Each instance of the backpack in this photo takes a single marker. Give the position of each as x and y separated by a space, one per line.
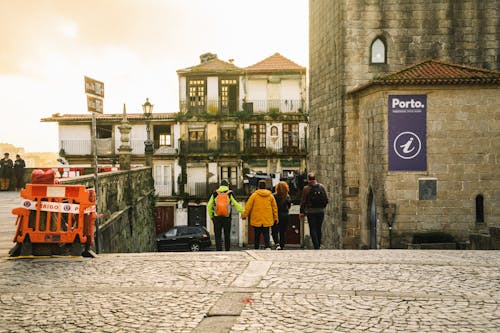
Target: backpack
317 197
222 204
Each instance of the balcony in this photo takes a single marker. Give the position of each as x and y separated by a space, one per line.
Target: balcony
189 146
250 105
75 147
275 145
205 189
229 147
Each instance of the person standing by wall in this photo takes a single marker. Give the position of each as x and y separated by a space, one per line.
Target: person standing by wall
312 204
283 202
219 210
262 211
6 166
19 166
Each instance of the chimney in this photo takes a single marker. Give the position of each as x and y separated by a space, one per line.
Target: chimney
207 57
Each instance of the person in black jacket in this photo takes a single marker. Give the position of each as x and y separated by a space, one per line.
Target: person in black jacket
284 203
6 166
19 166
313 203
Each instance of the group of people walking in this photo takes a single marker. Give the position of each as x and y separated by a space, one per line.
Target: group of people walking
267 211
9 169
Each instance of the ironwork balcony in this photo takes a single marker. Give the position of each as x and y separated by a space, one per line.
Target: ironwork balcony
274 105
229 146
249 105
205 189
276 145
163 190
190 146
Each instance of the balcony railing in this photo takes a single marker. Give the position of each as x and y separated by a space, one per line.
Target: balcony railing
205 189
189 146
163 190
229 146
274 105
84 146
76 146
250 105
276 145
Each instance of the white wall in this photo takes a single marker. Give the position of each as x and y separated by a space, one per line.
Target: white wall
213 169
213 88
75 132
75 139
182 88
257 90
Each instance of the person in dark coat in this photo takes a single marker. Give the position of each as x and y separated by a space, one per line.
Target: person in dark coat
315 214
284 202
6 166
19 166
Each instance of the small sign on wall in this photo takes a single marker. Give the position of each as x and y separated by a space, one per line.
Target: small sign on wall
427 189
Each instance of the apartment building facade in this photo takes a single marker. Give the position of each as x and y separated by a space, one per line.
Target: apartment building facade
238 124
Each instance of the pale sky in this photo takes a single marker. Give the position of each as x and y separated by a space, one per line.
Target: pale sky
133 46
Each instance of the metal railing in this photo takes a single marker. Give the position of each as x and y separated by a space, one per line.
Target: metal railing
249 105
204 189
229 146
276 145
189 146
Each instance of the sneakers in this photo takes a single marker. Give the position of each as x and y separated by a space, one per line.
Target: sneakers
268 248
278 247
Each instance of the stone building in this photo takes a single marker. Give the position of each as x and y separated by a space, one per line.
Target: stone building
356 47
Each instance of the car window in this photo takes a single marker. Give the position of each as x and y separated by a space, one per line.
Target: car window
183 231
171 232
194 230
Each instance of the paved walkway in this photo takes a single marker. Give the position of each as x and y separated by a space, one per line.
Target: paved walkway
254 291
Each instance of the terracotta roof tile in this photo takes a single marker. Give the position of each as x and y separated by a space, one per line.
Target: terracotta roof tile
435 72
212 66
275 63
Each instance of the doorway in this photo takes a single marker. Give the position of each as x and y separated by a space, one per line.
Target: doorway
197 215
372 220
164 218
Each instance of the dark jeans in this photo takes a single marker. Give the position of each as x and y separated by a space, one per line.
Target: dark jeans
315 221
265 232
222 222
279 231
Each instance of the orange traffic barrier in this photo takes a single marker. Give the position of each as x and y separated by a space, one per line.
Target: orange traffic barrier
60 215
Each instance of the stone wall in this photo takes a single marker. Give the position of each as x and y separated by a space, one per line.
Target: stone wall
126 201
462 155
340 36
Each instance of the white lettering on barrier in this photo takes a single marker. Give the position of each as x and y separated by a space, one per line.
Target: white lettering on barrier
62 207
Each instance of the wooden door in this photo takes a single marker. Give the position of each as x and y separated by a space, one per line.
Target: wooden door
164 218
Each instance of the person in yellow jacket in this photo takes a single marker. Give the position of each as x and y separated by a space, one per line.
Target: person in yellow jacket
262 211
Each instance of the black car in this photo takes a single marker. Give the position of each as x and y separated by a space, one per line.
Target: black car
184 238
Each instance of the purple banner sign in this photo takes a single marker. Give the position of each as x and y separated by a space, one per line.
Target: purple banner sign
407 132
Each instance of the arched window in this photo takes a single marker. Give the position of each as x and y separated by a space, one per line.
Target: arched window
377 52
479 209
274 131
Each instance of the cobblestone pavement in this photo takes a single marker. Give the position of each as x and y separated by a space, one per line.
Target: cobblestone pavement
254 291
249 291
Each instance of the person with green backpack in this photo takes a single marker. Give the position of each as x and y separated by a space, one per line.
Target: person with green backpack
219 210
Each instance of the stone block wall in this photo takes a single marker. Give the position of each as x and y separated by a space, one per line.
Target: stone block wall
465 161
126 201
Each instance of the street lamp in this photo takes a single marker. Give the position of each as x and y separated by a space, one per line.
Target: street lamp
148 144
